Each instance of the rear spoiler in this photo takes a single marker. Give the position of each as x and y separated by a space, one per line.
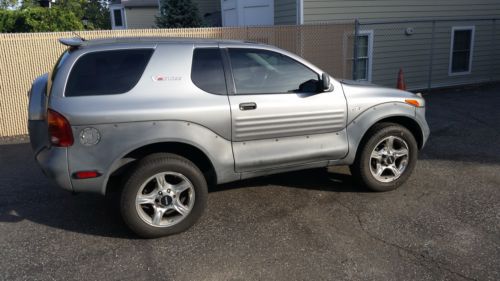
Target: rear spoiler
74 42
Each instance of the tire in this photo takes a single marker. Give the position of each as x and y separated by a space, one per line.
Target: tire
152 207
367 166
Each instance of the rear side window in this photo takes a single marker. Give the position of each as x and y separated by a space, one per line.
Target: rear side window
207 72
107 73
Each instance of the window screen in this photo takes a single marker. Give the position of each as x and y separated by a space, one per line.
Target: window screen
264 72
207 72
107 73
461 53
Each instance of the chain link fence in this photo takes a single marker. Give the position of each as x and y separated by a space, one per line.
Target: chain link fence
25 56
432 53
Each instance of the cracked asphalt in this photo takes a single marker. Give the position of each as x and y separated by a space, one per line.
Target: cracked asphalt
443 224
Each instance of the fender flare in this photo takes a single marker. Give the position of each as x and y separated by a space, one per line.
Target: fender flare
359 126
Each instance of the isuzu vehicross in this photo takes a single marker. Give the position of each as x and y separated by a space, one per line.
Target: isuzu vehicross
164 118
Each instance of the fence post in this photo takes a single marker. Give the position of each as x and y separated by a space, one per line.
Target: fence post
355 51
431 56
493 48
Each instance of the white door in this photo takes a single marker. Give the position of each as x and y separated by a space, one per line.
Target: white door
247 12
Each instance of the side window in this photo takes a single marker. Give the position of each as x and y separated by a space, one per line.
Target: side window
207 72
107 72
265 72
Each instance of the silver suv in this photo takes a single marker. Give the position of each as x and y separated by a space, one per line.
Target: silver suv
163 118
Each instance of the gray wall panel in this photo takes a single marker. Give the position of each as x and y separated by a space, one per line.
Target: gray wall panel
328 10
393 49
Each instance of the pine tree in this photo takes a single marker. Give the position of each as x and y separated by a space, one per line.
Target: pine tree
177 14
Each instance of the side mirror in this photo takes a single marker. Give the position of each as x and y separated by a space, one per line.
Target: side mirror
325 82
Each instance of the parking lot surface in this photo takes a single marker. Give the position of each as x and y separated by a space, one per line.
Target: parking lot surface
443 224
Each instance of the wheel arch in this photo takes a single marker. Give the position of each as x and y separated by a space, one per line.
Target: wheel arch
405 121
402 120
398 113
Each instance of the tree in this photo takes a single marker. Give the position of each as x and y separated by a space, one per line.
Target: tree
38 19
96 12
64 15
177 14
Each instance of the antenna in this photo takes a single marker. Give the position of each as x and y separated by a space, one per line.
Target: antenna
78 35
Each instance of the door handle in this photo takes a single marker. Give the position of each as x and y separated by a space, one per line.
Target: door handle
248 106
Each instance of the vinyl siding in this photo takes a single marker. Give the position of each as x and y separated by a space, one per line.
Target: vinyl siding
331 10
285 12
141 17
393 49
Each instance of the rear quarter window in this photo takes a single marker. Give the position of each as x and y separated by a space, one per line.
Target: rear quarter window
107 72
207 72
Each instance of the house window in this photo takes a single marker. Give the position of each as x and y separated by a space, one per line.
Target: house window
117 14
364 56
118 18
461 50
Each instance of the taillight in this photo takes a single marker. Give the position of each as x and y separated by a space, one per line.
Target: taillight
86 175
59 130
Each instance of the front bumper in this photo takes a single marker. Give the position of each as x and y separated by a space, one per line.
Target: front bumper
420 117
54 164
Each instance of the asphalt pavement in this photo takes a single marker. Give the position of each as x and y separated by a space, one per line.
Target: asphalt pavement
443 224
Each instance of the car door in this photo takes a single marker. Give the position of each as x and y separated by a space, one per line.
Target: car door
279 114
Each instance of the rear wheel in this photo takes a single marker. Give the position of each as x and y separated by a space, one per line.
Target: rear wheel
166 194
386 157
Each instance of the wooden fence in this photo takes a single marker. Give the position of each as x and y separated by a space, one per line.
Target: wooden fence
24 56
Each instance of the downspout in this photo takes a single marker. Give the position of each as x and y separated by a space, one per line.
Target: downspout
300 21
355 51
300 12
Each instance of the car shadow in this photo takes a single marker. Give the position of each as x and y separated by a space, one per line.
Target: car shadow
26 194
334 179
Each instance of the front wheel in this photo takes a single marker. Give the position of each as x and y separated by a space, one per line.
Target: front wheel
166 194
386 158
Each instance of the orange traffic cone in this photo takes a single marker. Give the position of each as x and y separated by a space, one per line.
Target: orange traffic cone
401 80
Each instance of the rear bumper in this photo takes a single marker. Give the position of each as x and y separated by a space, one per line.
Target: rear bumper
54 164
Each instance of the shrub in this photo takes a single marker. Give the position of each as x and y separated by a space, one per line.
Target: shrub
38 19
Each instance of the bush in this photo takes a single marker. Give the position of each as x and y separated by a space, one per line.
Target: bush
38 19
